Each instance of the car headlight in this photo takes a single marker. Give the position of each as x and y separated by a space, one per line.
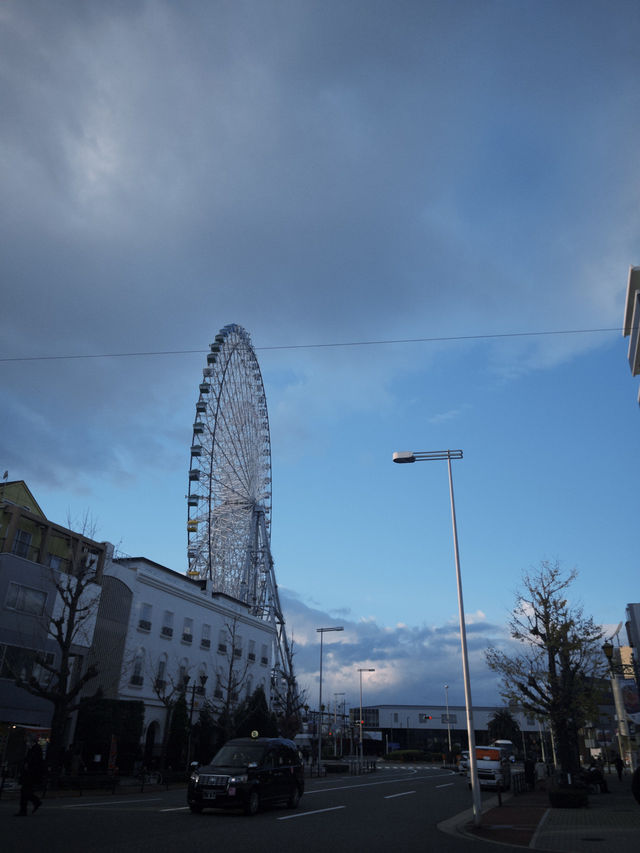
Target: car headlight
195 778
237 780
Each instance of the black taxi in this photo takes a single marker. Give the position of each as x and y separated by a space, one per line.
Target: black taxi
246 773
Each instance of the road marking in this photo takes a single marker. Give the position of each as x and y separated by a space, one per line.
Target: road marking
317 811
176 809
370 784
404 794
448 785
111 803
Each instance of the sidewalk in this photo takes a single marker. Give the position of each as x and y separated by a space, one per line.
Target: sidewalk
611 822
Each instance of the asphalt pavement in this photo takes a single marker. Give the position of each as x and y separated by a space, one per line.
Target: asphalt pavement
611 822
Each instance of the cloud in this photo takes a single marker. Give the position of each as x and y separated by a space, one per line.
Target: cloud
411 663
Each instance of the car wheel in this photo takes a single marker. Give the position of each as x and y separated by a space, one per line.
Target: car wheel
196 808
253 803
294 798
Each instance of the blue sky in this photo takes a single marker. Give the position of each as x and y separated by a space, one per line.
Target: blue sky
331 173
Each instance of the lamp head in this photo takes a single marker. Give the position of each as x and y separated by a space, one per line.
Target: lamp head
404 456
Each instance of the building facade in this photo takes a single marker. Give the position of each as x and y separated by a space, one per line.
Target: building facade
429 727
160 634
37 559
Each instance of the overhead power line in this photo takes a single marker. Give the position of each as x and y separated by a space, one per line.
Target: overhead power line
430 340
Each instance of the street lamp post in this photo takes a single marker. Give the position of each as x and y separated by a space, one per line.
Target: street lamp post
436 456
360 720
446 700
195 688
335 725
617 668
322 632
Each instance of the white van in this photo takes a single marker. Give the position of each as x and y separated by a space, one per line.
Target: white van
494 768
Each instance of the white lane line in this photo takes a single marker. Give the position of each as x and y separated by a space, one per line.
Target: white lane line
350 787
448 785
306 814
175 809
111 803
403 794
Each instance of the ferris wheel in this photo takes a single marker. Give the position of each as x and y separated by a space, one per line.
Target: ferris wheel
229 500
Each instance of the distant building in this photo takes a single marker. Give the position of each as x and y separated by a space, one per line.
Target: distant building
33 552
631 323
633 626
427 727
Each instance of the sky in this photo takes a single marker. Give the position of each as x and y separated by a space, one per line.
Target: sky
424 215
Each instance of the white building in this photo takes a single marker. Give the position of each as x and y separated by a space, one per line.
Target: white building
157 628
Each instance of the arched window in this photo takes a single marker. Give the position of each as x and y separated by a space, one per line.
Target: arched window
137 675
161 675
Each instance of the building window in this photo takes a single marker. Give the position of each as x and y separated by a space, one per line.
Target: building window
24 599
252 650
187 630
264 656
217 692
40 671
161 676
144 623
183 674
167 624
137 676
21 543
237 647
205 639
222 642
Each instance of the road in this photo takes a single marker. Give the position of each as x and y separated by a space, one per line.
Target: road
394 809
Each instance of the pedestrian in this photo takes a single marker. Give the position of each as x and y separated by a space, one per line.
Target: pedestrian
597 779
530 774
30 778
635 784
619 763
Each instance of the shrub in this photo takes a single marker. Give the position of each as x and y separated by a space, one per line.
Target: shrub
406 755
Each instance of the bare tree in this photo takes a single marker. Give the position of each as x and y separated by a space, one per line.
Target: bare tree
169 687
59 677
290 700
231 680
555 674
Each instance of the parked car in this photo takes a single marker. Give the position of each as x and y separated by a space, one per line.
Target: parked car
246 773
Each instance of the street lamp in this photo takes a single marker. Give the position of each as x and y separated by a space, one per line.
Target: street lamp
335 724
617 668
322 632
446 700
195 688
360 721
436 456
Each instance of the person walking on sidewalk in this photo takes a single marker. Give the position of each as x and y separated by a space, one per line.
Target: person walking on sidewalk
31 777
619 763
635 785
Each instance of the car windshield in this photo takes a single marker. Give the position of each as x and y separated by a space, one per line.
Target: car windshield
238 755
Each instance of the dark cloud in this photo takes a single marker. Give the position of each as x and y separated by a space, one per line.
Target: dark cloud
317 173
